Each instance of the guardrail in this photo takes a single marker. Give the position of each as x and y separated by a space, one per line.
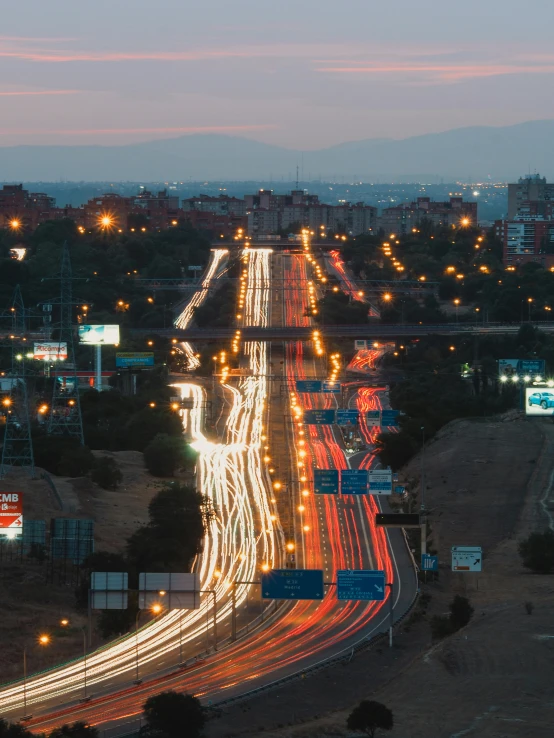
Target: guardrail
50 482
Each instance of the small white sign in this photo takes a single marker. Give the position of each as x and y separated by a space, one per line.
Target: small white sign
380 481
467 558
360 344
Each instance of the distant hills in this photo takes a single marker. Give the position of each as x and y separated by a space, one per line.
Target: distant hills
465 153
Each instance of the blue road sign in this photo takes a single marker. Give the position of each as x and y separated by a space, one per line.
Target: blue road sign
292 584
361 584
319 417
308 385
399 489
136 359
429 563
353 482
344 417
326 481
389 418
328 386
531 366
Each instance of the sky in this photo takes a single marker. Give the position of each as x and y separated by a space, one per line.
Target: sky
304 74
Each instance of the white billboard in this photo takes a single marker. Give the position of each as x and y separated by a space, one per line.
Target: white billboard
50 351
380 481
539 401
175 591
99 334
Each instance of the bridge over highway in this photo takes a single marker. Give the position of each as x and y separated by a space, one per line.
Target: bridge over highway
365 330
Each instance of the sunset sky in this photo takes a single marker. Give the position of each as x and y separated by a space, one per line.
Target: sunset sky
303 74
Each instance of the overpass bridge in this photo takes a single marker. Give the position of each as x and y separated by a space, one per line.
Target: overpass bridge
364 330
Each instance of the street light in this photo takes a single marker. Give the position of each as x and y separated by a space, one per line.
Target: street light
43 640
457 303
65 623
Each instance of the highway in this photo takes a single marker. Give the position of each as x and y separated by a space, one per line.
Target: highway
253 525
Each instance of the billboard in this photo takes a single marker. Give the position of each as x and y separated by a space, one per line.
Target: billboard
539 401
99 334
11 514
50 351
380 481
134 359
511 367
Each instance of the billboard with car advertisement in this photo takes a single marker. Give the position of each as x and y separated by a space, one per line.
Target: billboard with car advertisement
99 334
50 351
539 401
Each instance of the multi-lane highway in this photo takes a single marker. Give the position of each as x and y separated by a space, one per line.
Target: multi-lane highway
258 525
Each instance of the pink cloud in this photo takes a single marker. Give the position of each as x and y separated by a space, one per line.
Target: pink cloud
31 93
130 131
446 72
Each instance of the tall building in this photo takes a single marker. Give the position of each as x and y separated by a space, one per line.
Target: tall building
531 188
402 218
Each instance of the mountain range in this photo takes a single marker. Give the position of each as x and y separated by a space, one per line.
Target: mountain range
474 153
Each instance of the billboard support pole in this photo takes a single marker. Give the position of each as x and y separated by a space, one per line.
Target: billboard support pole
98 367
391 608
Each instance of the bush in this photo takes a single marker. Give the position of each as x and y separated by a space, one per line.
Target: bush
460 614
537 552
76 462
368 717
106 473
14 730
77 730
441 627
173 715
165 454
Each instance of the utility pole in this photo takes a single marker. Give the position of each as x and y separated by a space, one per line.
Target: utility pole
65 411
422 501
17 449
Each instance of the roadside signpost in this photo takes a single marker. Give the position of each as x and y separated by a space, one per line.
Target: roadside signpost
326 481
353 481
308 385
319 417
345 417
361 585
331 387
389 418
373 418
380 481
429 563
467 558
292 584
397 520
399 489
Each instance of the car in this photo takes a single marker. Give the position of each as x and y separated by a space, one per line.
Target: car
544 399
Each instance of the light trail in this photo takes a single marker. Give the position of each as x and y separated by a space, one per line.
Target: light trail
339 268
240 537
218 259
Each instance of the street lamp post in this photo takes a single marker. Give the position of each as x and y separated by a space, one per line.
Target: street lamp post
457 303
137 678
529 302
85 697
43 640
391 611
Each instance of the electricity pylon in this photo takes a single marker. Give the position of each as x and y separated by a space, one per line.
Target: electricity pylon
65 411
17 449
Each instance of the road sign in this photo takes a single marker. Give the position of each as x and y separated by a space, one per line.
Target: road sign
389 418
333 387
319 417
397 520
360 344
344 417
373 418
292 584
399 489
196 268
467 558
380 481
11 514
308 385
429 563
134 359
353 482
360 585
326 481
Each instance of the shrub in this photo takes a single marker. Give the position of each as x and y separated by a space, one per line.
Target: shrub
537 552
106 473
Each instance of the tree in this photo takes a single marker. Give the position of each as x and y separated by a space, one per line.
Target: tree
77 730
537 552
174 534
165 454
14 730
460 612
368 717
106 473
173 715
76 462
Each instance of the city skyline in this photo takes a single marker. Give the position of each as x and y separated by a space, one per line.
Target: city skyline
303 77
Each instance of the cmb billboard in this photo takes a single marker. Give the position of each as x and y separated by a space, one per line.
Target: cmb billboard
11 514
539 401
50 351
99 334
